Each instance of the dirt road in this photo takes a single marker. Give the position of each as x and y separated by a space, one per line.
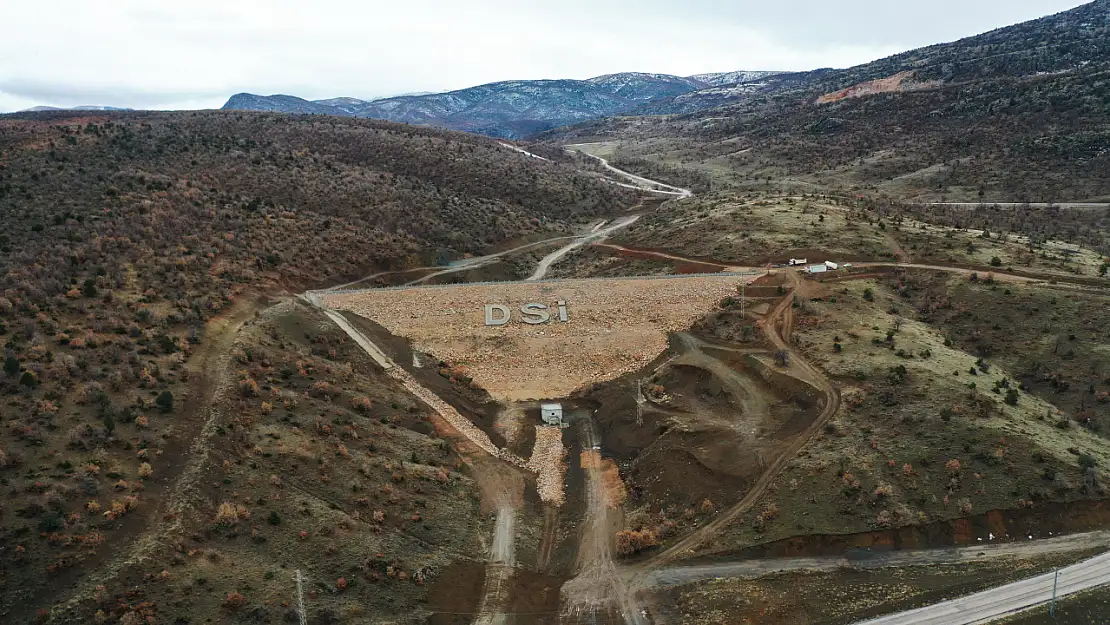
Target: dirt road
801 369
522 151
639 183
373 350
590 596
645 184
461 265
594 236
502 557
681 259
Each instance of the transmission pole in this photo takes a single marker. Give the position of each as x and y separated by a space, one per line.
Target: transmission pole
1055 582
300 598
743 301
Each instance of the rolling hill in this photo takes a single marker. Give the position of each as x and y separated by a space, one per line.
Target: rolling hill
134 247
1016 114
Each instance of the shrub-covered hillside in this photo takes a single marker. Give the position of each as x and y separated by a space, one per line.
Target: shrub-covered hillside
132 249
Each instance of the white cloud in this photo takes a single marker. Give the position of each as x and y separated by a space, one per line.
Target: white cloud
196 54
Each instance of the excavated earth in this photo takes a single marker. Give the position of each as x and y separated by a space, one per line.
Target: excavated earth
614 327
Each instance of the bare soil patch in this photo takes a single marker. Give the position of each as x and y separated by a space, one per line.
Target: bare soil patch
615 326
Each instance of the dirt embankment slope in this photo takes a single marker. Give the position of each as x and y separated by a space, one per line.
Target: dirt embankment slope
614 327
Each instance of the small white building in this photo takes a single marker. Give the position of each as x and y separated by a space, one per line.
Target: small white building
817 268
552 414
831 265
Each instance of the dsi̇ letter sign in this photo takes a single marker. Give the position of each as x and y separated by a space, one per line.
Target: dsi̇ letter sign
532 314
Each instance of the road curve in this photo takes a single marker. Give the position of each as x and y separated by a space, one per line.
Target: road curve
644 184
986 606
594 236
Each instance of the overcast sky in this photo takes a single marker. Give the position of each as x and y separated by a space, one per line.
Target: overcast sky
196 53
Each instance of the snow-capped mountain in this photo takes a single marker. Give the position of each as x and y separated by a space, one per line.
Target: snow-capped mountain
347 105
720 79
510 109
645 87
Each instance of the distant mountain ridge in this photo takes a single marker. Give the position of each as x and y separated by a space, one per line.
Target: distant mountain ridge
720 79
509 109
84 107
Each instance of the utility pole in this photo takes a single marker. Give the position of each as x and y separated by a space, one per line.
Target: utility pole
300 597
743 301
1055 582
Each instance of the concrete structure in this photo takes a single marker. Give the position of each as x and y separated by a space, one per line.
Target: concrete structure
817 269
831 265
552 414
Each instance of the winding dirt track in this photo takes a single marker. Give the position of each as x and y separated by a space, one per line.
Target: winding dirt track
769 325
665 256
594 236
178 483
645 184
462 265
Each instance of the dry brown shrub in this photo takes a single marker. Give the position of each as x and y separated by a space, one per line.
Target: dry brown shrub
321 389
362 404
632 541
234 601
248 387
230 513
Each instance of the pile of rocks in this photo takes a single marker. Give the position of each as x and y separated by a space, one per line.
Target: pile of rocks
547 463
615 327
452 416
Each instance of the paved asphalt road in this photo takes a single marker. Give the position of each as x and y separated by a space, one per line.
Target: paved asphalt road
991 604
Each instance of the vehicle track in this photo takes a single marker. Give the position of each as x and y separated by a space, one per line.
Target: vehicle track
639 577
593 236
831 404
499 571
590 595
665 256
199 419
646 184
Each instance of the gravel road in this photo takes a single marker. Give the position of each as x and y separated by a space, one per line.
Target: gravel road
645 184
594 236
